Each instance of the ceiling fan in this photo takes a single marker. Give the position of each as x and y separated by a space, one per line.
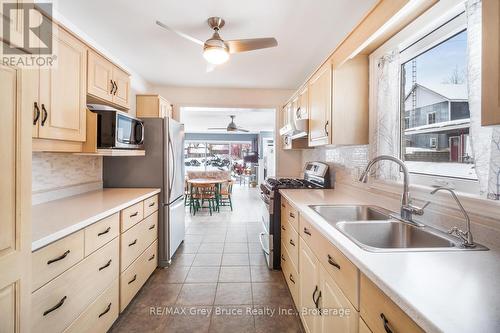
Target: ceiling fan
216 50
231 127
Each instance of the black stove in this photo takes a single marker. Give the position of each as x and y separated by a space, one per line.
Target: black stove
316 176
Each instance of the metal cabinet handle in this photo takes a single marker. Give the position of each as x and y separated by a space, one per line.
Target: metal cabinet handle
152 227
306 231
283 205
333 262
291 278
283 227
134 214
317 303
55 307
45 115
133 279
386 323
133 243
151 204
37 113
61 257
112 87
105 311
292 215
105 266
104 232
151 258
116 88
314 293
283 258
292 243
326 127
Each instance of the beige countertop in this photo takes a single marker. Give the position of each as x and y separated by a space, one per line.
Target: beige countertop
441 291
56 219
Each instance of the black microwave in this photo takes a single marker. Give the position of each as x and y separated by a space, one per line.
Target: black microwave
117 129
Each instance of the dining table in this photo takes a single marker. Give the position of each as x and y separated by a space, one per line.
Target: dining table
207 181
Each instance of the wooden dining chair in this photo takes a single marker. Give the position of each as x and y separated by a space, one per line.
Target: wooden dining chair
202 193
226 190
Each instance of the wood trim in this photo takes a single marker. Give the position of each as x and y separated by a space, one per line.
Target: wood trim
90 145
47 145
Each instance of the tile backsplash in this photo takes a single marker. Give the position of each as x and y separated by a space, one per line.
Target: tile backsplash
56 171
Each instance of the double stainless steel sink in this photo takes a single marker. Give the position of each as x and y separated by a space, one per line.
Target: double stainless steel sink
376 229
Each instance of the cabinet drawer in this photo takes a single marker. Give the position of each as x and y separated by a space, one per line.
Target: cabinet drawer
54 259
342 270
131 215
134 277
293 217
100 315
290 274
375 306
292 245
100 233
135 240
150 205
57 304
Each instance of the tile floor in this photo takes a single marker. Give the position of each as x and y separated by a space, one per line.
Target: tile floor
218 280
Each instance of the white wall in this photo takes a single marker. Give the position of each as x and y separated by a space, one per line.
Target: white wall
289 163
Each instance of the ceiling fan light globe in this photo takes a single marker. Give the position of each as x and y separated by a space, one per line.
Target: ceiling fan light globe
215 55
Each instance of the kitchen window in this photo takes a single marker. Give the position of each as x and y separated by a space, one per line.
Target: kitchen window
435 113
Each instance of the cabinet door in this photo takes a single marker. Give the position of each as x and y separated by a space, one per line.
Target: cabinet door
15 19
309 287
15 204
320 106
62 92
121 95
303 101
99 77
490 103
338 314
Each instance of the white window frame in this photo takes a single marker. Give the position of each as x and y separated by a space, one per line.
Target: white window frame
407 119
413 40
433 142
431 113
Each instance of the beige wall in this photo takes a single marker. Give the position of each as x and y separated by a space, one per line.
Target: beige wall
288 163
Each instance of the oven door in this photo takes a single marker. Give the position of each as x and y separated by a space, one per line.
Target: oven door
265 234
129 132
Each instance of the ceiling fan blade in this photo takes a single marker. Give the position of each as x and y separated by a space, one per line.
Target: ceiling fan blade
217 128
242 130
243 45
183 35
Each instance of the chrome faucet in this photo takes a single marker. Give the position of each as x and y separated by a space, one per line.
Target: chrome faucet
465 236
407 209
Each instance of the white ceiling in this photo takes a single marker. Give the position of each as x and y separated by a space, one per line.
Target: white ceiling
306 30
199 119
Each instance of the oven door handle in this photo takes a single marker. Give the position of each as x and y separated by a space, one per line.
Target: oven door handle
262 243
264 198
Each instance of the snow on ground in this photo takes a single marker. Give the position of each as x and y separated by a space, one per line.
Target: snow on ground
447 169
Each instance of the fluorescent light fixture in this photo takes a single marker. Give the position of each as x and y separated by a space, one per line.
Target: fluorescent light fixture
395 19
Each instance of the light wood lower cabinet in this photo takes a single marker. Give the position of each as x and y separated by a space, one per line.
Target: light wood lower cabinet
363 328
309 288
136 239
101 314
101 232
132 279
131 215
57 304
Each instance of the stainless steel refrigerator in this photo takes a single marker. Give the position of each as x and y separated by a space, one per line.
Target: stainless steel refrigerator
163 167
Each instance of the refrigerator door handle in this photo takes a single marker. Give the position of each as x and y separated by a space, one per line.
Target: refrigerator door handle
171 180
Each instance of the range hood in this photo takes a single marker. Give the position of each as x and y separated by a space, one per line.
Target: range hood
296 129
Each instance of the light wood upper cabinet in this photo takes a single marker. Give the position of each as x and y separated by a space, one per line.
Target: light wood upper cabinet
62 92
15 203
320 106
153 106
107 82
303 103
99 77
490 76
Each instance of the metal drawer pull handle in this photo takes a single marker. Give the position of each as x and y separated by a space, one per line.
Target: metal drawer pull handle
292 215
306 231
332 262
283 258
105 266
37 114
44 115
105 311
133 279
151 204
133 243
55 307
151 258
291 278
386 323
104 232
61 257
152 227
292 243
134 215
